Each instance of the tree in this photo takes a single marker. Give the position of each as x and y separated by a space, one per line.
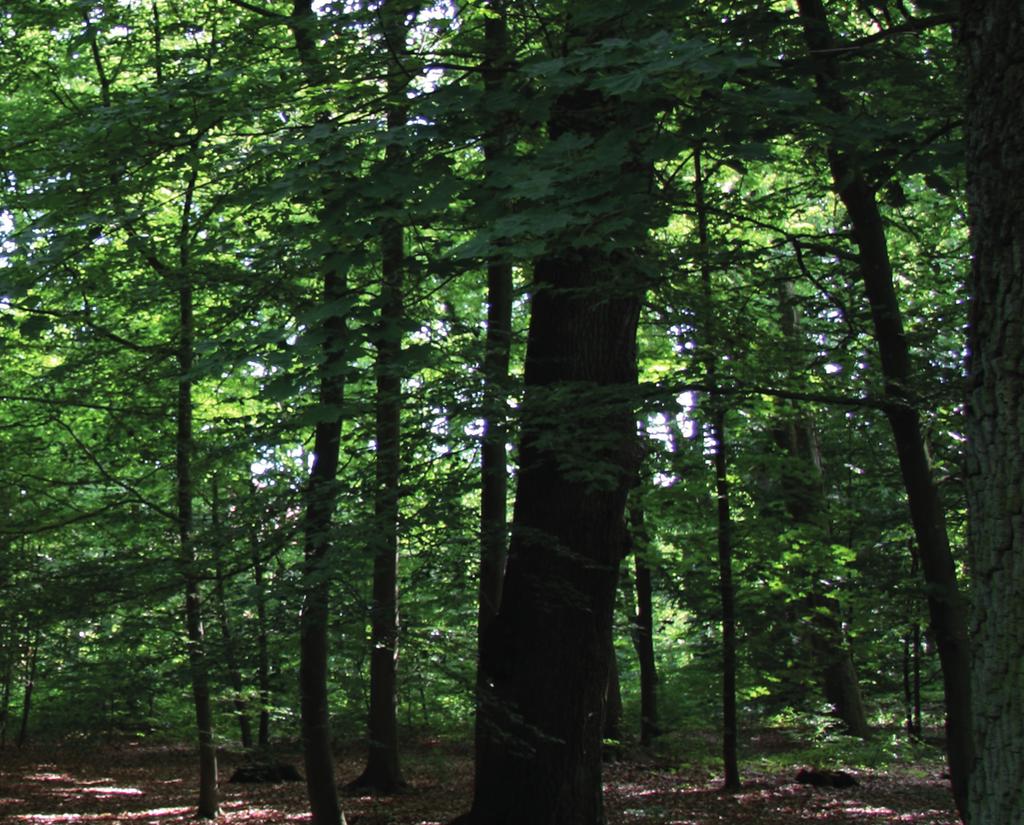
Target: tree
993 37
724 533
946 605
545 656
383 773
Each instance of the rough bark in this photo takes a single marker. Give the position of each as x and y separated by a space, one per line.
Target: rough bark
945 604
993 36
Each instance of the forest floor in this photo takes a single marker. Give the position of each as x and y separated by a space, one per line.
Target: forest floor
145 784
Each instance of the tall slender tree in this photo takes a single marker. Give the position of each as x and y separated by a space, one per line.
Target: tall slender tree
717 431
321 494
382 773
927 514
181 278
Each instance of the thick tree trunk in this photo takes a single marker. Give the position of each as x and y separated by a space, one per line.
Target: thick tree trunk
545 657
945 604
643 630
993 34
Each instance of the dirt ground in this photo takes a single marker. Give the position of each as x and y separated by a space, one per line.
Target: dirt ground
146 784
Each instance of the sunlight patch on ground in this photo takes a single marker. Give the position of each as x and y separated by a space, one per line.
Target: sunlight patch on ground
254 815
120 816
50 777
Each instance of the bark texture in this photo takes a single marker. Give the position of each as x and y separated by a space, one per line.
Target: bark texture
545 657
993 36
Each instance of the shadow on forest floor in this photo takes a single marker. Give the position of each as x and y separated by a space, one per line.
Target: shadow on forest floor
145 784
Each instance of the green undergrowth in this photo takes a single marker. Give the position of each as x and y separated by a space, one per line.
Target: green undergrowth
784 749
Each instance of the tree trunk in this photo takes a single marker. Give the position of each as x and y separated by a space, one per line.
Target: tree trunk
945 604
993 34
209 804
726 590
383 774
912 681
29 685
727 597
227 637
262 646
612 746
643 631
493 458
320 498
545 657
10 647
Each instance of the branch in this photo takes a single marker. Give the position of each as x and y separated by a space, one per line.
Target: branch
110 477
910 27
56 525
671 390
262 12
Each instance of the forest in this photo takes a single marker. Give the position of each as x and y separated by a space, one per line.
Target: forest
492 412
